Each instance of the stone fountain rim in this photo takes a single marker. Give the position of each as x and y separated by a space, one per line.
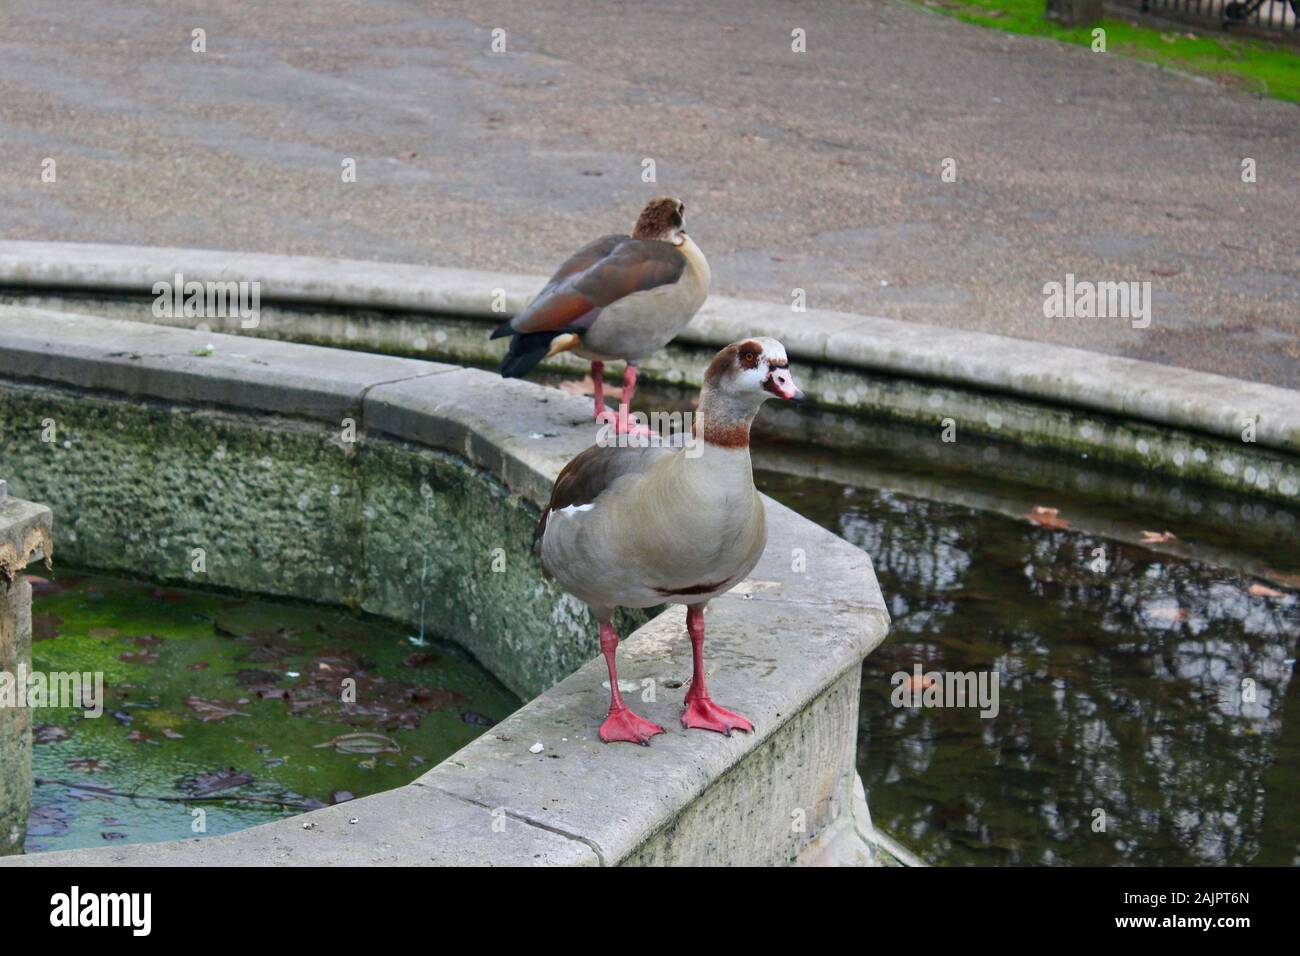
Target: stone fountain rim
1041 372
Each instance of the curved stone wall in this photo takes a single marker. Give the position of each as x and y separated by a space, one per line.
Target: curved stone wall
389 485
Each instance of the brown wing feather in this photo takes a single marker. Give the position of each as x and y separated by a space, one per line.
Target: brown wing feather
590 472
598 274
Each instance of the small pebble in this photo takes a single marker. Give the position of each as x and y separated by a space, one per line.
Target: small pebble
353 820
536 749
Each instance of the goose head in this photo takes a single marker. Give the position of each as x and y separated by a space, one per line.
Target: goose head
662 219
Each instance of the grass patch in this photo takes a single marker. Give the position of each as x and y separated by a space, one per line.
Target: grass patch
1248 63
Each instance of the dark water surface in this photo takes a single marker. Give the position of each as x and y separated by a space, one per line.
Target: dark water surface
231 700
1123 690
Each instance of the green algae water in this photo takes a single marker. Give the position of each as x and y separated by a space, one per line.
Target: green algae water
222 713
1148 708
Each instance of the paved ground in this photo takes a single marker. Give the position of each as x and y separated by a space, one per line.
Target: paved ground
818 170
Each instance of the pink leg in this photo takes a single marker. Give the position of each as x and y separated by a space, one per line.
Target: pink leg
621 724
598 384
625 403
701 712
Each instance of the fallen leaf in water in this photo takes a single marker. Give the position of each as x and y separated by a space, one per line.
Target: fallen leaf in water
1168 613
362 743
436 698
123 718
206 784
42 586
476 719
342 796
47 821
138 657
272 693
588 387
49 734
1263 590
200 666
45 627
419 659
251 677
1047 518
87 764
1158 537
103 633
137 737
172 734
210 710
110 835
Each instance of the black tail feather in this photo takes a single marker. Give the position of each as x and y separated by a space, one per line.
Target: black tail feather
526 351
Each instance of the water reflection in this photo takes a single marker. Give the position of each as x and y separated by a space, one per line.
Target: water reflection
1155 696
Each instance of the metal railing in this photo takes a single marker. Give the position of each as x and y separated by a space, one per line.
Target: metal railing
1277 15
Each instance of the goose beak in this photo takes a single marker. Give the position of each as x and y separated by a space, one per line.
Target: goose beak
781 384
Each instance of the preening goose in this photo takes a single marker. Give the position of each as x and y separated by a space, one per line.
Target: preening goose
616 298
641 526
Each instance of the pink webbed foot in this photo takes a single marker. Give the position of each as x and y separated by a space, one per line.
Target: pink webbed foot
622 724
703 714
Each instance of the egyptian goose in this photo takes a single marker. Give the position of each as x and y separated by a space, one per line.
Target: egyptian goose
618 297
668 524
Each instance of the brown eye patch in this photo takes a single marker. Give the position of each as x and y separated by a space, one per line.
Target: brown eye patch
750 353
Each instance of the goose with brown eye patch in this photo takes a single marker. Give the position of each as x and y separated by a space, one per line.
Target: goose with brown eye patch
641 526
618 298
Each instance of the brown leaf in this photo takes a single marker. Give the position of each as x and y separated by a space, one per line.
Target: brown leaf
1047 518
362 743
207 784
436 698
1168 613
209 710
1263 590
87 764
45 626
588 387
419 659
1158 537
49 734
138 657
252 677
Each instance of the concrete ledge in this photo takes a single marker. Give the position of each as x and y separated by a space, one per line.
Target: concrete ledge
264 433
24 537
1126 388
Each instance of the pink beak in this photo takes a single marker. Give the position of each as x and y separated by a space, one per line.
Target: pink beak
781 384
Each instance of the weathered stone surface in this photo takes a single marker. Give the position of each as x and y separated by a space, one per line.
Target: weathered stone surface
24 537
1019 368
409 826
1163 420
148 361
